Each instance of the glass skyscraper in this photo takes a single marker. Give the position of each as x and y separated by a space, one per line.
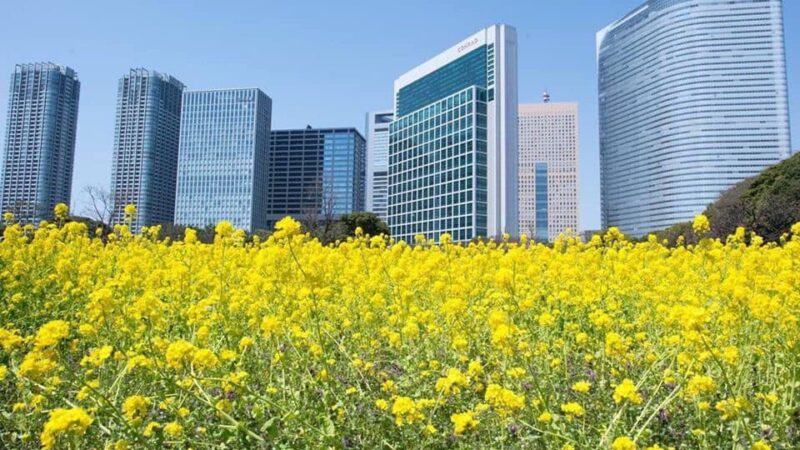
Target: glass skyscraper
145 162
315 172
453 143
222 162
377 185
693 99
40 140
548 169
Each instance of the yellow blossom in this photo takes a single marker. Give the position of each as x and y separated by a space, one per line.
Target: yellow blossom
581 386
623 443
135 407
503 400
51 333
627 391
64 424
463 422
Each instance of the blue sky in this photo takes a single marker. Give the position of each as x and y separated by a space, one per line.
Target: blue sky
324 63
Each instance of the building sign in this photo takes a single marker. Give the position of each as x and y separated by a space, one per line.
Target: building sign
469 44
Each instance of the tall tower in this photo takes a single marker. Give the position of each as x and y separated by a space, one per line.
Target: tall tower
40 140
377 183
223 157
147 131
692 100
453 141
548 169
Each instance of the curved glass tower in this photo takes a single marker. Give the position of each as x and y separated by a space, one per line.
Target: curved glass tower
693 99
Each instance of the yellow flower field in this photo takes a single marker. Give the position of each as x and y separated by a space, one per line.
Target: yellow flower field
287 343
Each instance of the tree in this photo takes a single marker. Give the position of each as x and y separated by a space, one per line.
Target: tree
319 216
369 223
101 205
767 204
176 232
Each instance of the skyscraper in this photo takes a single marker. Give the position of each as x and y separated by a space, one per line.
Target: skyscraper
548 169
40 140
377 185
453 143
222 162
693 99
315 172
146 135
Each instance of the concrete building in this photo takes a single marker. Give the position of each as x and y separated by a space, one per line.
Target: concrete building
377 183
548 169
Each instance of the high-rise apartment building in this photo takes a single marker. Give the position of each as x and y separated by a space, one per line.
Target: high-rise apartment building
222 162
377 185
40 140
315 172
453 143
693 99
548 169
145 161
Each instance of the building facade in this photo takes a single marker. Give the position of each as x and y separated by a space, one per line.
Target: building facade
377 184
548 169
222 161
692 100
40 140
315 172
145 161
453 143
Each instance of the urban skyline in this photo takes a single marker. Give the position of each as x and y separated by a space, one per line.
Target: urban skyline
557 95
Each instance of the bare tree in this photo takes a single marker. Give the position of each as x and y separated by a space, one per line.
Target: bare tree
319 216
101 204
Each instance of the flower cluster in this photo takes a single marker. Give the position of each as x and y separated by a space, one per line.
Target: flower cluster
133 342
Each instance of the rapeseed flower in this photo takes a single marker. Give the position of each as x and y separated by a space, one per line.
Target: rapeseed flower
369 341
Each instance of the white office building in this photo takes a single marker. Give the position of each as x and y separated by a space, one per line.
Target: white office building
548 169
377 185
453 143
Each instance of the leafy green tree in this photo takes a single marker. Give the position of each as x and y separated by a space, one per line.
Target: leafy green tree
369 222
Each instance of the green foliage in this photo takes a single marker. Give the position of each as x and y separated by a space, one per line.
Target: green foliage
330 229
369 223
767 204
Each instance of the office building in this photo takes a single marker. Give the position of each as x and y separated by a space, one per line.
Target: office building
548 169
145 160
377 185
692 100
315 173
222 161
40 140
453 143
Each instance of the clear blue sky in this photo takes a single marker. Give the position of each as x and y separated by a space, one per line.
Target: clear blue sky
324 63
